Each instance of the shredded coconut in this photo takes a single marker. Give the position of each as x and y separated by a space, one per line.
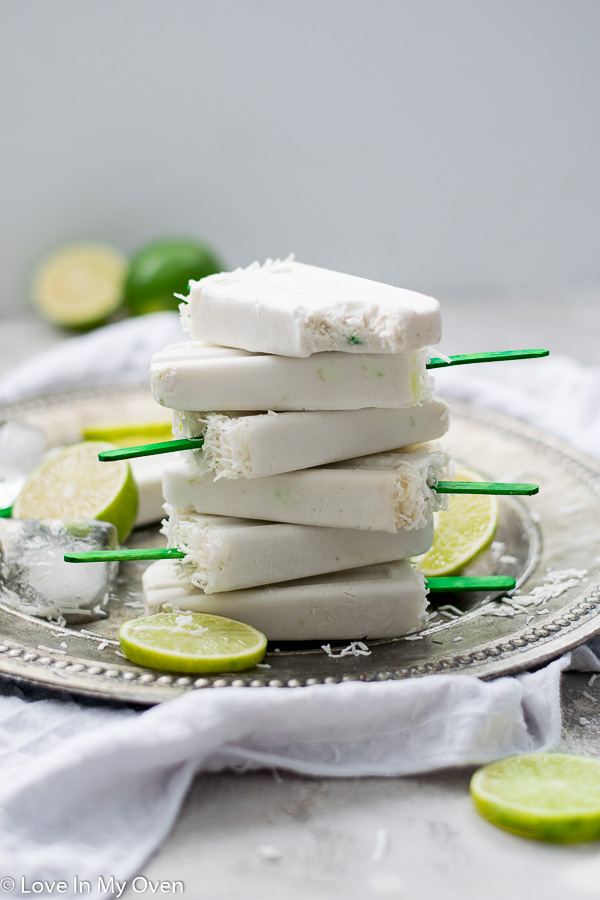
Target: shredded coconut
381 843
269 852
354 648
448 608
50 649
589 696
592 680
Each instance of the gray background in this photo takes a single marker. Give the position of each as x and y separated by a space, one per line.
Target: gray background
450 147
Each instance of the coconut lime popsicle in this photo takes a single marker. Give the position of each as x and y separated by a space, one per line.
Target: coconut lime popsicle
378 601
198 376
292 309
238 445
389 492
227 554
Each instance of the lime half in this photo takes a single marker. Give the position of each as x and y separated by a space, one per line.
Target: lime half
462 531
80 285
74 484
548 796
192 642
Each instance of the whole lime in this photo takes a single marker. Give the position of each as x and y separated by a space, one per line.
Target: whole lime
163 268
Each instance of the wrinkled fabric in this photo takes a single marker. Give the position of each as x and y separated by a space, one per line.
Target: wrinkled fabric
93 791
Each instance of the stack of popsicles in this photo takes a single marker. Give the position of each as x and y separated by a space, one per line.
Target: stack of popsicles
307 391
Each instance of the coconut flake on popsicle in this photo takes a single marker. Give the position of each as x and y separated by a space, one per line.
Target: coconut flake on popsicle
228 554
391 491
254 445
293 309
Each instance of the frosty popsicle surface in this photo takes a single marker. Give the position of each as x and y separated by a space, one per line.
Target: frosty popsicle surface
377 601
198 376
389 492
256 445
227 553
292 309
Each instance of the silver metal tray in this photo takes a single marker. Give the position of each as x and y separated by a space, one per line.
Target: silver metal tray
555 531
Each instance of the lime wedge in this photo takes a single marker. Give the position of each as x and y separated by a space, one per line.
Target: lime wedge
129 434
73 484
80 285
192 642
462 531
548 796
162 269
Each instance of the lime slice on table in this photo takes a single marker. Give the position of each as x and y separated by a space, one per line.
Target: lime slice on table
80 285
73 484
548 796
129 435
192 642
462 531
164 268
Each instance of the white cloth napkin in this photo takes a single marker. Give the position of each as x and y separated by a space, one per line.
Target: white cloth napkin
93 791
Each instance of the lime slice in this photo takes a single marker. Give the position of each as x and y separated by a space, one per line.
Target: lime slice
192 642
462 531
548 796
80 285
164 268
73 484
129 435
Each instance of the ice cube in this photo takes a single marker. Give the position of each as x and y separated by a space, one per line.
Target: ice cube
35 579
22 449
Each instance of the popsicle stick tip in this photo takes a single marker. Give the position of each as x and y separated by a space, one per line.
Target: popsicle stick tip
461 583
462 359
151 449
123 555
486 487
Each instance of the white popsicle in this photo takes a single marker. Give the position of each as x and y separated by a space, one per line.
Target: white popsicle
228 554
292 309
388 492
198 376
261 444
379 601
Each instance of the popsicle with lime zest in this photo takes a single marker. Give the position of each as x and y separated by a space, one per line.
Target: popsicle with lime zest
392 421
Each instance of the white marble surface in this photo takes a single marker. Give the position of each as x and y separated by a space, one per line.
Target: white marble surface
275 835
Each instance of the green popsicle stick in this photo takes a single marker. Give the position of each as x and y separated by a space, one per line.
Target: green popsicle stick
196 443
482 583
151 449
123 555
485 487
462 359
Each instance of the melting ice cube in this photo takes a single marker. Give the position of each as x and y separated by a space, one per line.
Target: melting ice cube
22 449
35 579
